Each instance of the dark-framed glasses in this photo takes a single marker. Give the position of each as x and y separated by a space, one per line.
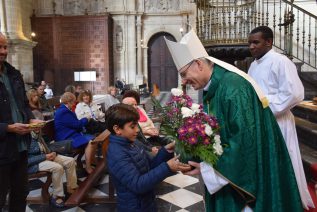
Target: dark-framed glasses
184 73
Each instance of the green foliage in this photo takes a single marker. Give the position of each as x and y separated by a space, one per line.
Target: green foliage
195 153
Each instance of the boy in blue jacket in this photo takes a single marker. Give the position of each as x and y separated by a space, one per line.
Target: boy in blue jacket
134 174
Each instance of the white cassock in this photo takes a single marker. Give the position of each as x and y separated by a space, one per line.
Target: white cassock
278 78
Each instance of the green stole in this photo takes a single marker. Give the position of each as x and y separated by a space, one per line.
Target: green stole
255 160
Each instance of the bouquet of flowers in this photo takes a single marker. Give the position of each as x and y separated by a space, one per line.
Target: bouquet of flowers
196 133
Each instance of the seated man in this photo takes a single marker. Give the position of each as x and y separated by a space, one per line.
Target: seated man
40 158
43 101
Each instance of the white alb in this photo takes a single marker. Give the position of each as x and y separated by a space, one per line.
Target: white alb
278 78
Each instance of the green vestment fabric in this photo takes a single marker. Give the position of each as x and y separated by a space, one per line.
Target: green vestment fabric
255 159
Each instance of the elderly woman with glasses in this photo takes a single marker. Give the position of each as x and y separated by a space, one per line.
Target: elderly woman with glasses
68 126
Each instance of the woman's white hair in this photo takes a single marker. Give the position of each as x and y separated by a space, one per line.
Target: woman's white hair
67 97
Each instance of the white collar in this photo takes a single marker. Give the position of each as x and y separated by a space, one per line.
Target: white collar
207 86
267 54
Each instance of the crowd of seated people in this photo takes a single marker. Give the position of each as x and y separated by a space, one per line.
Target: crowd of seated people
77 119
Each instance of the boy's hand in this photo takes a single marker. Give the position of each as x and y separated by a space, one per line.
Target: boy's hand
155 150
175 165
170 147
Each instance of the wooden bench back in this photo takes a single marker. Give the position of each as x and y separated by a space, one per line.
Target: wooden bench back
54 102
49 130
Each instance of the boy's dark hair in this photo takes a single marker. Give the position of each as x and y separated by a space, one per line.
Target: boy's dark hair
133 94
267 32
120 114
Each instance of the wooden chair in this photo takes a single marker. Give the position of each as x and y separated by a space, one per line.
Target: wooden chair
80 194
143 91
45 195
54 102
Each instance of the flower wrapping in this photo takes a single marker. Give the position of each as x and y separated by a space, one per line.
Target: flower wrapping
196 133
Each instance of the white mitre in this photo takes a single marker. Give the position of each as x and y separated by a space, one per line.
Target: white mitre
190 48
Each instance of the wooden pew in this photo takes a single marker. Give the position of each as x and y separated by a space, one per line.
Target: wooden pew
49 131
80 195
45 195
54 102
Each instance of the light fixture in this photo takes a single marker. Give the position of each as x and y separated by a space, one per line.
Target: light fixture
141 41
84 76
33 34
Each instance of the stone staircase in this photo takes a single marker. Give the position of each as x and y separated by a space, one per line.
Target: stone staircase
306 126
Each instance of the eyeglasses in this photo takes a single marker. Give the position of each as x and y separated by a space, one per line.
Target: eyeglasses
184 73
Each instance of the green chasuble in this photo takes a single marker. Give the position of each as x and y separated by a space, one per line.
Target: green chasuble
255 160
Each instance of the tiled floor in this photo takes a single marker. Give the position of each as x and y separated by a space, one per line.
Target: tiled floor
179 193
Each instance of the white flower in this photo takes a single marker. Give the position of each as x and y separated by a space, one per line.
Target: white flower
186 112
217 139
217 148
176 92
195 107
208 130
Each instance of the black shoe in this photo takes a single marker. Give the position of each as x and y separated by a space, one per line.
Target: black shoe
57 202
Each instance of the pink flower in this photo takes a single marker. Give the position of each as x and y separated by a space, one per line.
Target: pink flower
192 140
194 131
182 131
206 141
190 129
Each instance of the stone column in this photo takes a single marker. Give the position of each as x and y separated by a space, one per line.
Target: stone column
20 48
131 49
14 19
3 20
139 76
145 62
138 41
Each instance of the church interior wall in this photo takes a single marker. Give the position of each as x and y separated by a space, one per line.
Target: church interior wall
154 17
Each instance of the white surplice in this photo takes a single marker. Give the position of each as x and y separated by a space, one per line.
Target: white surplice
278 78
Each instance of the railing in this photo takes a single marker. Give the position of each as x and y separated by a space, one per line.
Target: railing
223 22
